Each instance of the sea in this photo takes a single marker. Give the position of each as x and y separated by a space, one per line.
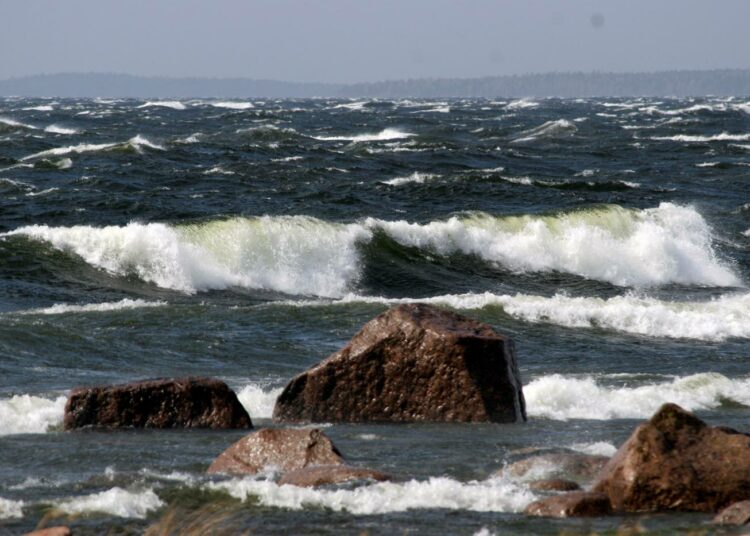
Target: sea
247 239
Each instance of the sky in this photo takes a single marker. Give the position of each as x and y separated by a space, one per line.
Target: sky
347 41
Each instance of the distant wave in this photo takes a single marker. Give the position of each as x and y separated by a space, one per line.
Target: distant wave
136 143
40 108
724 136
233 105
383 135
174 105
15 124
521 104
305 255
415 177
56 129
64 308
561 397
551 129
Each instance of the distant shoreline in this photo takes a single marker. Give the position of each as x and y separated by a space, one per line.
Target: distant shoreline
682 83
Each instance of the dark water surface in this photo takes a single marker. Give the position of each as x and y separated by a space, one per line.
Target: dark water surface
247 240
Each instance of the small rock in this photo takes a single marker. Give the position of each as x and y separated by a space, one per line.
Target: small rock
322 475
734 514
415 362
51 531
554 484
573 504
286 449
163 403
675 461
568 465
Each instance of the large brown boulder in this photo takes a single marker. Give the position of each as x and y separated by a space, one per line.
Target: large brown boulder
675 461
322 475
734 514
286 449
412 363
163 403
573 504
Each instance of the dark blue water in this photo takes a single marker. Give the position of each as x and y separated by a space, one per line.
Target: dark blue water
248 240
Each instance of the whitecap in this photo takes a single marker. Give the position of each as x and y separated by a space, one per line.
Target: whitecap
383 135
724 136
493 495
415 177
29 414
137 142
10 509
57 129
551 129
65 308
16 124
561 397
40 108
233 105
521 104
174 105
115 501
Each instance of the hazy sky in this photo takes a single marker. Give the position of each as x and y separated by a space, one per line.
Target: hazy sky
350 40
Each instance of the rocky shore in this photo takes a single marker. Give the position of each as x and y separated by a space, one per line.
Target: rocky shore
418 363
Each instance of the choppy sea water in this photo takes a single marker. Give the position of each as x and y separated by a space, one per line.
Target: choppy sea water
246 240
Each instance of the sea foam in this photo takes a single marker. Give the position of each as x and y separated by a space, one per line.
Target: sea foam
233 105
259 400
28 414
115 501
10 509
493 495
561 397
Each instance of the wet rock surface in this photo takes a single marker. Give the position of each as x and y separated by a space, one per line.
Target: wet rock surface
573 504
162 403
675 461
286 449
322 475
414 362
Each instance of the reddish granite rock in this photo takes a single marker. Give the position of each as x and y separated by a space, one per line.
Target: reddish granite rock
163 403
321 475
734 514
554 484
287 449
573 504
675 461
414 362
51 531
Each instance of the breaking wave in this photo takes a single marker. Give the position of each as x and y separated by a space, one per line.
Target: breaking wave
259 400
551 129
10 509
415 177
233 105
174 105
383 135
492 495
561 397
57 129
64 308
28 414
308 256
724 136
115 501
136 143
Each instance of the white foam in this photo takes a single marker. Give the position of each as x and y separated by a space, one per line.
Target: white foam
42 192
28 414
174 105
16 124
292 254
724 136
136 142
712 320
520 104
115 501
668 244
218 170
259 400
563 397
65 308
57 129
40 108
10 509
746 233
415 177
233 105
383 135
193 138
493 495
551 129
599 448
354 106
708 164
64 163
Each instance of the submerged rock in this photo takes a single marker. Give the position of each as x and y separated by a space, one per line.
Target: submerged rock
414 362
734 514
568 465
573 504
675 461
322 475
286 449
163 403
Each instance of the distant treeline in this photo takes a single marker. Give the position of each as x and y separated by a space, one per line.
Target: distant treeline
666 83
